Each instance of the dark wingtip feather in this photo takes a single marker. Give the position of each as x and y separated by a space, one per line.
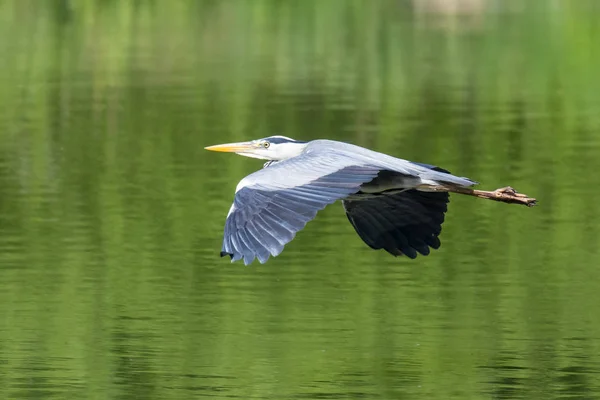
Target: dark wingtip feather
224 253
405 223
410 253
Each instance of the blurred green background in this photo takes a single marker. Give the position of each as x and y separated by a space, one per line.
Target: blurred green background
111 212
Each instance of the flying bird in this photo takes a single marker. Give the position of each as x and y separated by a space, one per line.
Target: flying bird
393 204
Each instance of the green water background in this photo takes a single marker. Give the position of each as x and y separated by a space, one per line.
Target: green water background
111 212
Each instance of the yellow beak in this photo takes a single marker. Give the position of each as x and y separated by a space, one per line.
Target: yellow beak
232 147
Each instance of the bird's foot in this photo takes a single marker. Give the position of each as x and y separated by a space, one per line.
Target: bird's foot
509 194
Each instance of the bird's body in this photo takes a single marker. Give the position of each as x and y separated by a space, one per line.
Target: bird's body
393 204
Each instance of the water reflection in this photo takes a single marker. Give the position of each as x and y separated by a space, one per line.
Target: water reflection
111 213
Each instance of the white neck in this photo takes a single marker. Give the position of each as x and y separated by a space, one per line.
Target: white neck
284 151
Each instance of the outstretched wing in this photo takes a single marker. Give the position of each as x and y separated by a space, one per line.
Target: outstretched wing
273 204
405 222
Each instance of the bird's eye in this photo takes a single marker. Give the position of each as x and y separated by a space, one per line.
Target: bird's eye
266 145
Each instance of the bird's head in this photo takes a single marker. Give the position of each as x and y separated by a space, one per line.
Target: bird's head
274 148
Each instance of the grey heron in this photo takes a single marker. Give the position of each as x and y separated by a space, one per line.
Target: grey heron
393 204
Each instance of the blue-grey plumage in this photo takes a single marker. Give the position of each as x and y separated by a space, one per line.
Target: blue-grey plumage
393 204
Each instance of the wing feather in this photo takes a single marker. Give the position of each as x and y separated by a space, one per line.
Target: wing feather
273 204
401 223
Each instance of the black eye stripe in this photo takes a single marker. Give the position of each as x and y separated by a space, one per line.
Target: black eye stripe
280 140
